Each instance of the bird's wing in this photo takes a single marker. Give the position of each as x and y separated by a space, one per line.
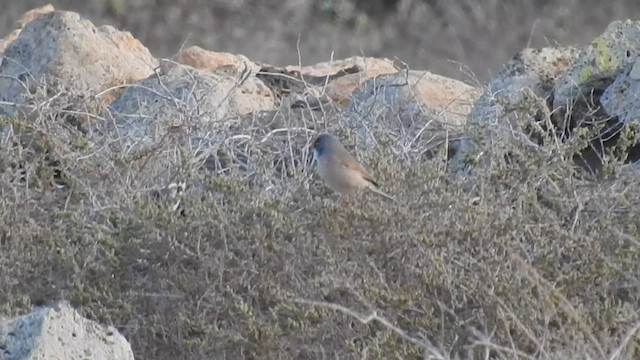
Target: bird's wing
354 165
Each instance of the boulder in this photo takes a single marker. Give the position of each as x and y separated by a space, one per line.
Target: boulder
210 61
178 96
324 84
579 98
548 64
60 332
421 107
19 25
516 101
599 63
69 54
181 108
344 76
251 94
620 99
620 102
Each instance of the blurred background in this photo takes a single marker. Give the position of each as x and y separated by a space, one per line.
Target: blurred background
462 39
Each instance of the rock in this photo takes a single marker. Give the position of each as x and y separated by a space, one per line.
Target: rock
620 102
599 63
162 123
181 98
59 332
251 94
515 103
285 83
620 99
426 108
70 55
577 96
19 25
210 61
367 66
548 64
322 84
346 75
412 91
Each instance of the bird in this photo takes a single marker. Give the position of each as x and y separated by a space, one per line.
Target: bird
340 170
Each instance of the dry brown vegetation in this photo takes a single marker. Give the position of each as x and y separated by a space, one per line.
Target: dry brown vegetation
262 261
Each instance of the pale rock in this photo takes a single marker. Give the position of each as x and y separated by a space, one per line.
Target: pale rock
250 95
345 75
20 23
577 99
60 332
70 55
515 102
621 102
182 110
180 97
367 65
321 86
548 64
622 98
419 106
207 60
599 62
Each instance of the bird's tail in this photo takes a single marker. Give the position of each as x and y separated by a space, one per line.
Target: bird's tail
380 192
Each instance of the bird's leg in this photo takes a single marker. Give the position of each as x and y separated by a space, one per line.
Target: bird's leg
328 202
347 200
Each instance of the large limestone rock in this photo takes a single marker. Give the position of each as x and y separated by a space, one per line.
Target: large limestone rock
547 64
516 102
179 108
592 94
70 55
343 77
367 67
250 95
411 90
423 110
324 86
211 61
19 25
620 99
562 92
599 63
620 102
176 97
59 332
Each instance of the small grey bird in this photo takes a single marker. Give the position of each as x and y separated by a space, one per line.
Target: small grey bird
340 171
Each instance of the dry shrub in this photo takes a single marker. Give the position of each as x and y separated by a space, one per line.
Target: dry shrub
262 261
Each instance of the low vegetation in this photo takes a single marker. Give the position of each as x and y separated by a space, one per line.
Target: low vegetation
528 257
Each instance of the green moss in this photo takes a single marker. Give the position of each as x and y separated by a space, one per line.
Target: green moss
585 74
603 57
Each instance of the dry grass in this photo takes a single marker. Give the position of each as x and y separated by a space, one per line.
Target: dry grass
262 261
